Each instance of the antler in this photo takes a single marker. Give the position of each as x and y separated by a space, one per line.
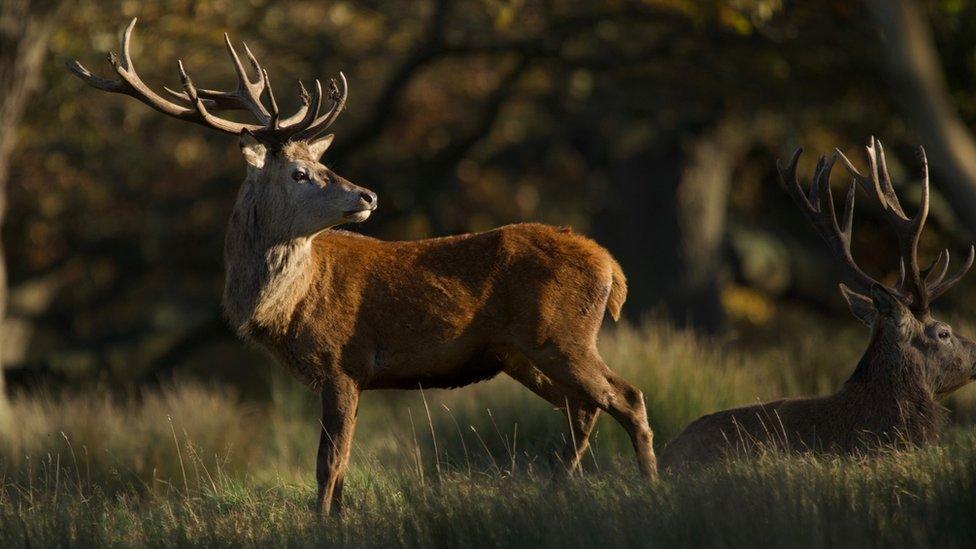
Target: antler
818 207
916 287
194 105
246 96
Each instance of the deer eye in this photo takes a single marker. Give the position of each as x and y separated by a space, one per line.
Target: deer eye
299 175
944 334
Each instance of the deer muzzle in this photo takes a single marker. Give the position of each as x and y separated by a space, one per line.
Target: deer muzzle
368 202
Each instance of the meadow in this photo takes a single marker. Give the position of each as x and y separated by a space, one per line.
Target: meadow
195 463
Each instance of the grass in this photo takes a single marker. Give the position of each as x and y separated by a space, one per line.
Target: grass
193 464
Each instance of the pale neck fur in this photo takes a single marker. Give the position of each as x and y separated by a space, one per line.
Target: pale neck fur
268 272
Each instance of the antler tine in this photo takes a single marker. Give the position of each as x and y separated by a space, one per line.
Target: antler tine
338 97
201 110
881 179
105 84
821 213
847 226
902 277
275 114
935 272
880 167
247 95
911 286
867 183
945 285
309 110
248 90
302 111
254 64
814 194
126 42
837 234
790 183
311 107
909 232
210 103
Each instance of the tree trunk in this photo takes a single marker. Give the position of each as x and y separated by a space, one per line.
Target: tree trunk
667 227
919 86
25 27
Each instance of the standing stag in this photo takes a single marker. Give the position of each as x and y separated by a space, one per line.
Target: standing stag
347 313
911 362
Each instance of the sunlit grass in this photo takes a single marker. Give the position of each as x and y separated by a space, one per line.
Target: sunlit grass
194 464
918 498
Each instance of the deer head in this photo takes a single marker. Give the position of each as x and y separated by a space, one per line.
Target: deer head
292 192
904 331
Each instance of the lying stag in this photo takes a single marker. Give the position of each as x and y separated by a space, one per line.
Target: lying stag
911 362
348 313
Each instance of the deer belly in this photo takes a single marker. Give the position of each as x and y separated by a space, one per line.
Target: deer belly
436 369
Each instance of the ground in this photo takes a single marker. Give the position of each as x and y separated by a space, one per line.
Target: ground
196 464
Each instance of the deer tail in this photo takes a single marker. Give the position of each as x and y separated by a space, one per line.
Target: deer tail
618 290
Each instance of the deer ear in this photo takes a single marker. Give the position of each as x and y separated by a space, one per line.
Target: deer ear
860 305
319 146
887 304
254 152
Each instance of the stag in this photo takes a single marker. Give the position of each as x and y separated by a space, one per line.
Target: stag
347 313
912 360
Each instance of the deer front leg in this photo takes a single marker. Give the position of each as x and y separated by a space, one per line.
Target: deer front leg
340 401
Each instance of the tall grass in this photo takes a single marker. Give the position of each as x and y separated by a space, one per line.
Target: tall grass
194 464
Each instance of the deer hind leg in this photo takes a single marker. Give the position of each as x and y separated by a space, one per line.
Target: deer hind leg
584 375
340 402
582 414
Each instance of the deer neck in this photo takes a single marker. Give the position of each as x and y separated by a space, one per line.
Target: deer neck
267 273
886 395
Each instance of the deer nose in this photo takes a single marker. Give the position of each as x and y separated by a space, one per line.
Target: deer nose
369 197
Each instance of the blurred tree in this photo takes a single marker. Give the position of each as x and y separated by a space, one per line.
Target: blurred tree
25 28
679 218
916 78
